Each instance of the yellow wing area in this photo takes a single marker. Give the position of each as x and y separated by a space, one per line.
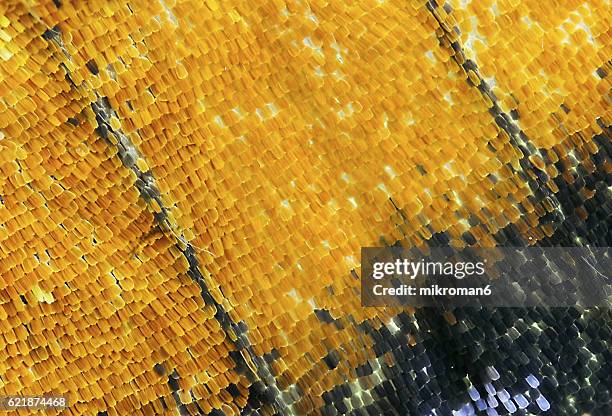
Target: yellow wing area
282 137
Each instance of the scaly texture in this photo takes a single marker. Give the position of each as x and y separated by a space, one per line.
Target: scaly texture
185 187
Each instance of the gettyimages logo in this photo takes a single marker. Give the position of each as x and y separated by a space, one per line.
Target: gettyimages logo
494 277
412 269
